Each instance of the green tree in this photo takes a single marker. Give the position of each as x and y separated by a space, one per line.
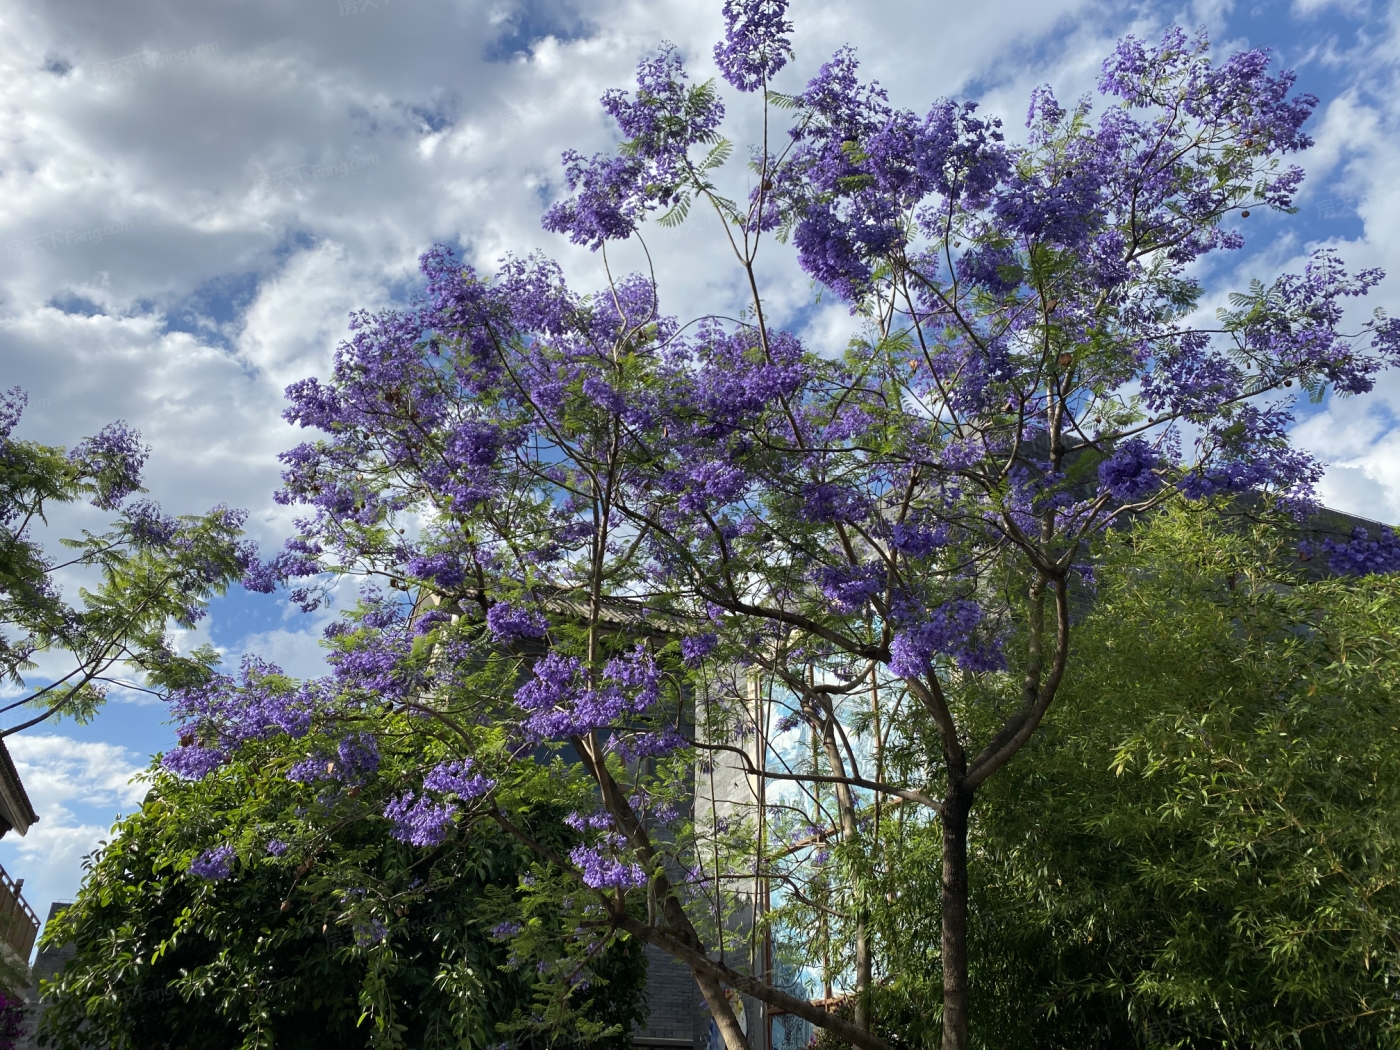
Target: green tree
335 934
147 571
1200 849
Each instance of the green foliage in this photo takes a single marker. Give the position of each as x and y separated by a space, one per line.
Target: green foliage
1202 846
146 572
348 938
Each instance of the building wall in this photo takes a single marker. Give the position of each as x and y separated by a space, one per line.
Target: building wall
46 966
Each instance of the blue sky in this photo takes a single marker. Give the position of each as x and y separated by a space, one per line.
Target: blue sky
258 168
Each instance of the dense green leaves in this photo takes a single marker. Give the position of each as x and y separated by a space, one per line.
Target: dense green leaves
346 937
1200 849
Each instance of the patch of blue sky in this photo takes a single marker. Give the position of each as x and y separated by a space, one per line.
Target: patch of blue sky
528 22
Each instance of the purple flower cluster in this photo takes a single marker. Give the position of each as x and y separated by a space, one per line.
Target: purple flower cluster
850 588
223 713
755 44
602 870
1129 473
661 122
457 779
635 745
694 648
600 821
12 406
355 760
951 630
1363 556
148 526
509 623
112 459
213 864
559 701
369 933
419 821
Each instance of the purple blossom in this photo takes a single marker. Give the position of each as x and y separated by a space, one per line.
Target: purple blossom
261 577
148 526
503 930
194 762
226 712
604 871
369 932
317 767
850 588
1128 473
12 405
213 864
755 44
950 630
443 569
429 620
788 722
599 821
358 758
559 702
276 847
1363 556
633 746
695 648
825 502
420 822
112 459
916 541
509 623
662 121
453 778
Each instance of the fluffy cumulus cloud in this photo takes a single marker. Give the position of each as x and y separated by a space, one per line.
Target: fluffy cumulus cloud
78 788
1354 191
195 195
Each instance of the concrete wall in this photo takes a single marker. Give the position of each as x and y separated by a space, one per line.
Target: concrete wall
46 966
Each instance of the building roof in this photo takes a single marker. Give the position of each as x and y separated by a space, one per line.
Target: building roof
16 811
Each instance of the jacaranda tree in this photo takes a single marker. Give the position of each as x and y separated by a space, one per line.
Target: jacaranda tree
628 538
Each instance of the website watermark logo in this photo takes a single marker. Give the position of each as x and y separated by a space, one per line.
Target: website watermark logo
138 61
354 7
55 239
301 173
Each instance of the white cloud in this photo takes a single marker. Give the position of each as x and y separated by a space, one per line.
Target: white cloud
78 788
1309 8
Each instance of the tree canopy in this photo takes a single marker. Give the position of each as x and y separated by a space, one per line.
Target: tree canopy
149 570
636 542
1199 850
251 909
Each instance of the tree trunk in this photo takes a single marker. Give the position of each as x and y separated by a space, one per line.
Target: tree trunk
955 991
846 805
720 1010
864 969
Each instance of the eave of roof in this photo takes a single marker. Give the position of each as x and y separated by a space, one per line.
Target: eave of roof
16 811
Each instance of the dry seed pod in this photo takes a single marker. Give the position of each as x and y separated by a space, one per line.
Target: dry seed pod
286 905
1065 360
